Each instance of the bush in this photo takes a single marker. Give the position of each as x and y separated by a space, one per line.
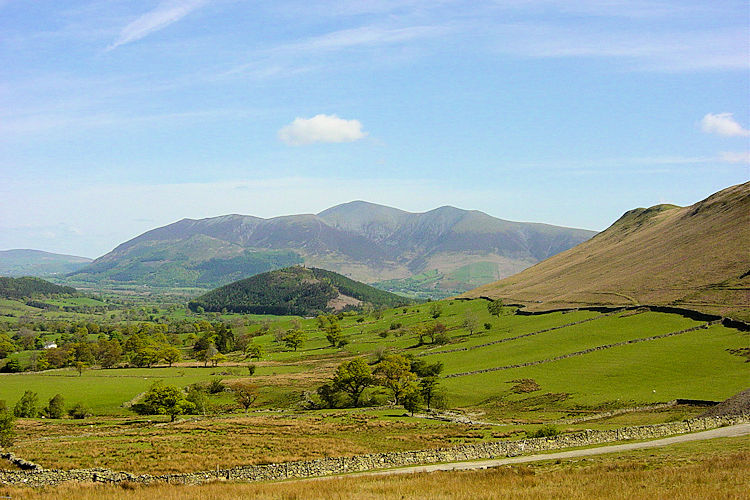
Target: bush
251 369
396 325
548 430
216 386
55 408
7 432
442 339
27 405
487 326
80 411
12 366
383 334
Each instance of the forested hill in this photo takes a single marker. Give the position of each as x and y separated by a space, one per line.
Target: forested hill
294 290
28 287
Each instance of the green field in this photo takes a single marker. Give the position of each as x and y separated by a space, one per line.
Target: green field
644 372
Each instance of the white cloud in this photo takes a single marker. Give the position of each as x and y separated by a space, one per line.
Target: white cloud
321 128
735 156
166 13
723 124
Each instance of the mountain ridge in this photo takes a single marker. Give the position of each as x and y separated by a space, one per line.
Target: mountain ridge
362 240
29 262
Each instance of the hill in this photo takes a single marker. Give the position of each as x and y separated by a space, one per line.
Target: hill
28 287
451 250
694 257
21 262
294 290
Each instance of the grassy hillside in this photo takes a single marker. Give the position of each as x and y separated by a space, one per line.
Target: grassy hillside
294 290
695 257
28 287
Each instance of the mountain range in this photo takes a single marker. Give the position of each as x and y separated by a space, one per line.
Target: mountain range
444 251
24 262
695 257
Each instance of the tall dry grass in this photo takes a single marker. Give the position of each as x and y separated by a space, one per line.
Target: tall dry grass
725 476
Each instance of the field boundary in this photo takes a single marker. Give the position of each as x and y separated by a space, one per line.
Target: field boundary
530 334
585 351
376 461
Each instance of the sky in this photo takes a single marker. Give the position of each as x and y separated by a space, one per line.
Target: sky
117 117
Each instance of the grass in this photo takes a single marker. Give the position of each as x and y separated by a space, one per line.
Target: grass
151 445
717 468
659 370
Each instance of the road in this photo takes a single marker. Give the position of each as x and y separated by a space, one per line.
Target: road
730 431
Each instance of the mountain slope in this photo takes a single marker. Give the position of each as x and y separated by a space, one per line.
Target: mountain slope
294 290
696 257
22 262
362 240
29 287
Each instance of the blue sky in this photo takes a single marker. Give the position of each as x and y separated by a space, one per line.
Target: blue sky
120 116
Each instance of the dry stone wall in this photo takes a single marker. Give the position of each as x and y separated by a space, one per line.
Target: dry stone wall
585 351
360 463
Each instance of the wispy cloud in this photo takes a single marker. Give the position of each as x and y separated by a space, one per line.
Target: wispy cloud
723 124
735 156
646 50
166 13
321 128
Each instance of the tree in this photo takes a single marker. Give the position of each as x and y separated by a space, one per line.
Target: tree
495 307
55 407
412 399
254 351
245 393
80 367
470 322
436 309
26 407
333 331
171 355
395 374
294 338
7 431
217 358
353 377
427 388
162 399
109 353
428 374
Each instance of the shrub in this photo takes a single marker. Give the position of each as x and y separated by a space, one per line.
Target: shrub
487 326
396 326
7 432
216 386
55 408
251 369
442 339
12 366
548 430
383 334
79 411
27 405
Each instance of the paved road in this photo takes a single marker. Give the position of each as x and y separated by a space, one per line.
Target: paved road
731 431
